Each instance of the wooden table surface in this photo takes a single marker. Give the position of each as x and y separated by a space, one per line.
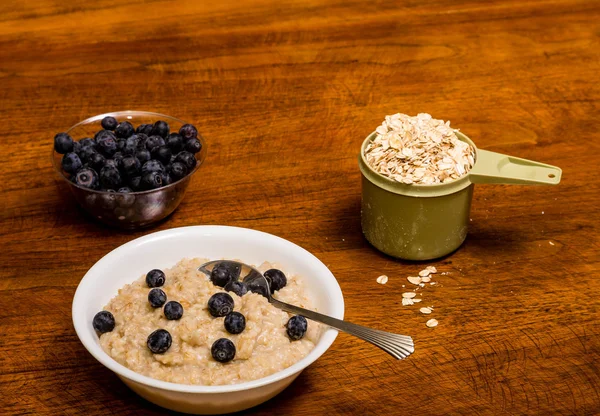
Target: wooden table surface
284 93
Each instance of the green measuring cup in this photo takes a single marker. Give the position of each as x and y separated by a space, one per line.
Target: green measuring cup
423 222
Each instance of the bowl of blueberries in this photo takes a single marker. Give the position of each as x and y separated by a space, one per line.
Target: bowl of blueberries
129 169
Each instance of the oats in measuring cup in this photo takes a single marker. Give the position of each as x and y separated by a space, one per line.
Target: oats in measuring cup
418 150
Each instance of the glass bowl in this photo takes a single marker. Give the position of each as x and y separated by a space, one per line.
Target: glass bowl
135 209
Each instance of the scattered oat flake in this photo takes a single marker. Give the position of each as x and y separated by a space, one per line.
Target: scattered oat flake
433 283
426 279
424 273
416 300
409 295
431 323
382 280
431 269
415 280
426 311
407 302
551 243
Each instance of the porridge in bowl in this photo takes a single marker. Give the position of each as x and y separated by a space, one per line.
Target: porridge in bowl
183 327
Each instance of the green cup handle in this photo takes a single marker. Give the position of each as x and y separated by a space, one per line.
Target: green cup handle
492 167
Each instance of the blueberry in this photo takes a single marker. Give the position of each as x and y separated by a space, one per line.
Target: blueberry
152 180
71 163
63 143
109 123
96 161
142 138
177 170
120 145
152 166
188 131
111 163
110 177
154 142
124 190
235 323
104 133
296 327
131 145
118 158
224 272
237 287
155 278
86 153
188 159
76 147
223 350
135 183
106 145
161 129
130 166
166 178
257 288
144 128
87 178
142 155
104 322
276 279
159 341
87 142
157 298
173 310
193 145
124 130
175 142
163 154
220 304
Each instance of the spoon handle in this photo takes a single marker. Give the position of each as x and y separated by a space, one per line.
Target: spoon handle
398 346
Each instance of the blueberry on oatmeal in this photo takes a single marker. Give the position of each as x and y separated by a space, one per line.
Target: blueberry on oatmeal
220 304
224 272
276 279
223 350
296 327
235 323
173 310
155 278
237 287
157 298
104 322
159 341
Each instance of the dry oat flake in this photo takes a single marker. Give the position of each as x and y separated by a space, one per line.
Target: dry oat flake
418 150
431 323
382 280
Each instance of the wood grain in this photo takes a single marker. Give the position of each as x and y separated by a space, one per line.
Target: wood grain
284 92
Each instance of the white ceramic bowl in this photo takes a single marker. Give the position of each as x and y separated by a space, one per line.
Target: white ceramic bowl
165 248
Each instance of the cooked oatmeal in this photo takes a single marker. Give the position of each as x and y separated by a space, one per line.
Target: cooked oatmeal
263 348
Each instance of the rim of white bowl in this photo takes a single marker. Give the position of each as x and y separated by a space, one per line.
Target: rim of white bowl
94 348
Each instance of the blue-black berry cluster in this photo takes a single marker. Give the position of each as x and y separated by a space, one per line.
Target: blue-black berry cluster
125 159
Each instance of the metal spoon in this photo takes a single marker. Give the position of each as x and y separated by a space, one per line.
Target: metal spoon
398 346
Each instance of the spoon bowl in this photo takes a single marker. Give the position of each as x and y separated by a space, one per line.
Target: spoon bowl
398 346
